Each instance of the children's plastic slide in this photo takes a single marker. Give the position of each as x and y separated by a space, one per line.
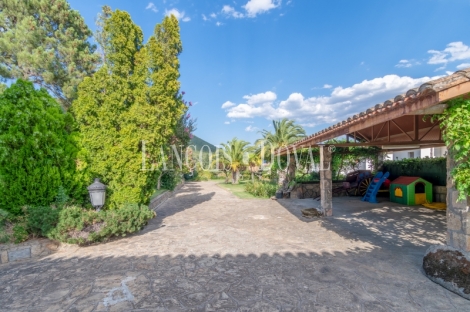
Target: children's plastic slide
374 187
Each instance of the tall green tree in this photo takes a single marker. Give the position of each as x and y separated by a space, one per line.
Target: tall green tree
127 111
46 42
37 148
164 47
235 153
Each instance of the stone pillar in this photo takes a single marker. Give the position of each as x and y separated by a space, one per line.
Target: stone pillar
326 181
458 215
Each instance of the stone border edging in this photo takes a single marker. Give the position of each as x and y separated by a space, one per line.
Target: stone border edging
30 249
160 199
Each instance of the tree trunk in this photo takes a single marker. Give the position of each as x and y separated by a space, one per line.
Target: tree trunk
235 176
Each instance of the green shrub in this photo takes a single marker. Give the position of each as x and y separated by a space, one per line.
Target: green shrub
81 226
204 175
261 189
430 169
42 220
312 176
37 148
170 179
19 233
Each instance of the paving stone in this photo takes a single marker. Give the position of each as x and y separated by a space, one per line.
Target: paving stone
210 251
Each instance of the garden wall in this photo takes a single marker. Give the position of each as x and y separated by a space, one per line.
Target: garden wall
29 249
312 190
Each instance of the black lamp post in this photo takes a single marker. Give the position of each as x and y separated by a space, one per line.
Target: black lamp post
97 192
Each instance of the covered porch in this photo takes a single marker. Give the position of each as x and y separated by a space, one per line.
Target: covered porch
402 123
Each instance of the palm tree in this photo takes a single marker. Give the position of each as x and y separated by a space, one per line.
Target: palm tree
254 160
233 153
285 132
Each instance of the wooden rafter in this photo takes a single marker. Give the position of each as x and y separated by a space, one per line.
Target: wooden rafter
435 124
383 125
401 129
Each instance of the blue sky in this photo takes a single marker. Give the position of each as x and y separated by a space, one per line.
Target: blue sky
247 62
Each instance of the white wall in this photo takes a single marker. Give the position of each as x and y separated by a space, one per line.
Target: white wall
419 153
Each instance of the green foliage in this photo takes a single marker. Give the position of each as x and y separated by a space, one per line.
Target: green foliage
80 226
455 126
133 98
285 132
432 170
19 233
42 220
261 189
47 42
233 155
37 148
170 179
204 175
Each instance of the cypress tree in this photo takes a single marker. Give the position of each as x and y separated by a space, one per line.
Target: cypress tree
134 97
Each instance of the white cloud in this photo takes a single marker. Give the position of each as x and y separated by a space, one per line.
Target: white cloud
152 7
455 51
254 7
341 103
219 24
404 63
250 128
327 86
213 15
179 15
228 104
228 10
407 63
260 98
204 17
227 122
463 66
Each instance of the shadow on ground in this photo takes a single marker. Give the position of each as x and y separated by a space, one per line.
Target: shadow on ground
385 225
278 282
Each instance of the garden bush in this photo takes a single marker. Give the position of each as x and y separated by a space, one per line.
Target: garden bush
261 189
170 179
42 220
80 226
204 175
431 169
37 148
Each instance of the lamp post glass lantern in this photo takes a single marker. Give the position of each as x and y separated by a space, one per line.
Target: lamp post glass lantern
97 192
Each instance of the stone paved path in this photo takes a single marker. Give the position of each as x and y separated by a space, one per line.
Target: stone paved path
210 251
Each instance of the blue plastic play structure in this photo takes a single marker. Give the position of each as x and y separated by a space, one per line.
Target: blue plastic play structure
374 187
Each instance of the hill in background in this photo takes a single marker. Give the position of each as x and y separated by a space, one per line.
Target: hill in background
199 143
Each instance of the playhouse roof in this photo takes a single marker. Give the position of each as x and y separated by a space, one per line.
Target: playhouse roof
406 180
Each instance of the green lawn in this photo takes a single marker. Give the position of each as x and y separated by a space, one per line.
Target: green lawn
237 190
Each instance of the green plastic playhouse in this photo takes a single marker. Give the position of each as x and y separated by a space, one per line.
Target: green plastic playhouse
410 191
